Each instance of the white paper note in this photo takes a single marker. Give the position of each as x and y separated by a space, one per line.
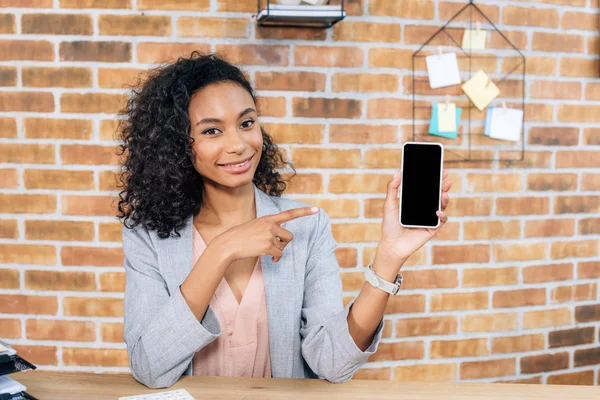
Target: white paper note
442 70
481 90
474 39
506 124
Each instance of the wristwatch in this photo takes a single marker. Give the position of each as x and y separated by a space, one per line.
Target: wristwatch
376 281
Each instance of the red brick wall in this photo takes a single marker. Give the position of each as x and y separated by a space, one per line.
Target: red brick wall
508 291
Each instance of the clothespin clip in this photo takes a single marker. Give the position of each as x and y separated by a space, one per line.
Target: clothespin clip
504 106
440 51
447 102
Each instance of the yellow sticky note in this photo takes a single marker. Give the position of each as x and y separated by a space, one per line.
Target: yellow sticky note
474 39
480 90
446 117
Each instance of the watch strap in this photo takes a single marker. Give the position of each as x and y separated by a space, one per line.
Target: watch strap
375 280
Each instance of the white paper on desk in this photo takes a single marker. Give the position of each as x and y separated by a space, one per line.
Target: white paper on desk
442 70
506 124
10 386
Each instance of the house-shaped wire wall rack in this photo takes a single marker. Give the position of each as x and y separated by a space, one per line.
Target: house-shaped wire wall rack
501 60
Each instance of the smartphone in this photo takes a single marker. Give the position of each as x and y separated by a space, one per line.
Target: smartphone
421 186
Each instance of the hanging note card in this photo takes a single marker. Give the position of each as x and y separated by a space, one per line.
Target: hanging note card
474 39
433 123
442 70
481 90
506 123
446 117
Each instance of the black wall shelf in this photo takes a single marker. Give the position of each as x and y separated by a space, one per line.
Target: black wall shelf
270 14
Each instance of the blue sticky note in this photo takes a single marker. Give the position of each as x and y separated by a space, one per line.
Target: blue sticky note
433 123
488 120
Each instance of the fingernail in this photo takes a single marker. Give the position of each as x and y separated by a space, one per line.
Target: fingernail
314 209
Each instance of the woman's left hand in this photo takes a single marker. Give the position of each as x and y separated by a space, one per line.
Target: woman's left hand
397 241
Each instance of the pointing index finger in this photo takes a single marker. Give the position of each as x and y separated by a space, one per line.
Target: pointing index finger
294 213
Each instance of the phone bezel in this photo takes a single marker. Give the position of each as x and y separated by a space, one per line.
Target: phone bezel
440 186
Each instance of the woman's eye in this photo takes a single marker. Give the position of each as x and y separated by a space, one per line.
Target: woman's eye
211 131
247 124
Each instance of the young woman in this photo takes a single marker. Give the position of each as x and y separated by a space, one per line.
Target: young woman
224 276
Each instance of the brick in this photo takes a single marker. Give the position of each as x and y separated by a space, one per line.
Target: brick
578 67
390 58
589 226
587 357
235 5
255 54
328 56
518 344
587 270
8 75
8 128
213 27
95 357
371 374
352 281
488 368
348 82
38 355
482 230
187 5
366 32
519 252
572 378
544 363
477 277
27 254
399 351
536 65
556 90
108 180
80 331
59 230
412 303
405 9
546 318
57 24
46 128
10 328
60 280
568 249
494 183
57 77
7 24
95 3
430 279
318 107
522 205
27 203
548 273
9 278
108 129
554 42
576 204
359 232
305 183
591 136
448 10
26 102
389 108
21 304
95 51
8 229
552 182
549 227
92 307
325 158
27 153
533 159
112 282
587 313
530 16
167 52
490 322
479 253
425 372
89 155
284 33
458 348
571 337
470 206
576 113
272 106
32 50
358 183
337 208
579 20
519 298
58 179
347 257
134 25
517 38
93 256
592 91
9 178
295 133
577 159
459 301
300 81
418 34
112 332
92 102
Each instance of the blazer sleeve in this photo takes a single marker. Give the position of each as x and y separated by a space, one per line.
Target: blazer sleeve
161 332
327 346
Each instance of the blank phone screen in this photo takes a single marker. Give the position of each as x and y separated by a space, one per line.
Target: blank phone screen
420 184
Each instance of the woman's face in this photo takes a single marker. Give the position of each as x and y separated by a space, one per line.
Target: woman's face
225 129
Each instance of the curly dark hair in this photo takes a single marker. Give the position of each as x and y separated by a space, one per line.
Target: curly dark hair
160 188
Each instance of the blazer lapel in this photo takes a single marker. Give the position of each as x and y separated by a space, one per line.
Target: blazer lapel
279 281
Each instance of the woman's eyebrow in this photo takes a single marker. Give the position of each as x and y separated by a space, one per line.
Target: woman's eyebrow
218 121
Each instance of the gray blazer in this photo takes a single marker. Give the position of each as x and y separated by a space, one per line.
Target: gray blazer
308 332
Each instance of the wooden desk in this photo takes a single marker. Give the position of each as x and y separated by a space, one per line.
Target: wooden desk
65 386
